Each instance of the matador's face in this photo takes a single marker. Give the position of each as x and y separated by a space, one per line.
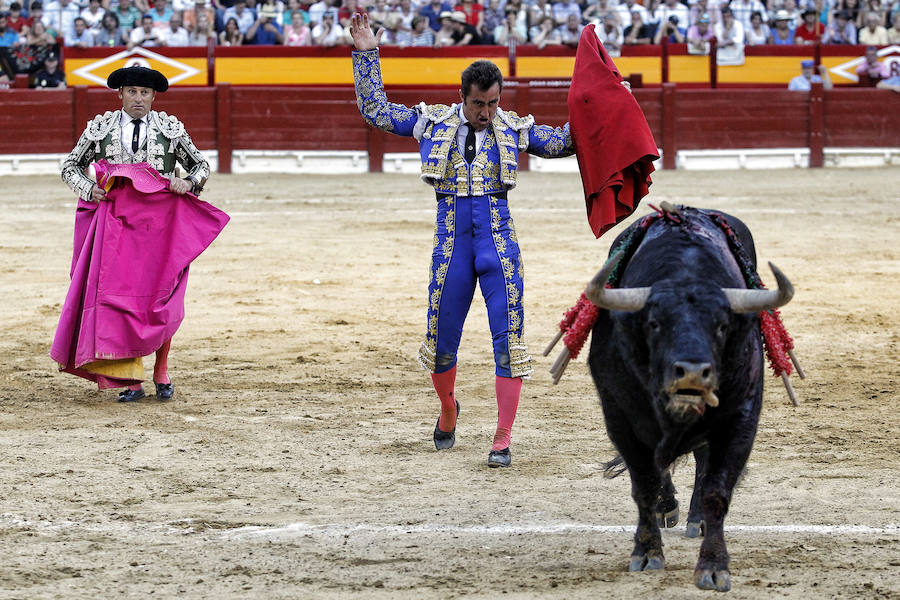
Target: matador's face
480 106
136 100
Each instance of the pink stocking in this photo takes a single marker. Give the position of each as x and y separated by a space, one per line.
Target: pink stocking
508 391
443 385
161 368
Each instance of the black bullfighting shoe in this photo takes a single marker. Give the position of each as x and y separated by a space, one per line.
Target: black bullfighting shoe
444 440
165 391
499 458
127 395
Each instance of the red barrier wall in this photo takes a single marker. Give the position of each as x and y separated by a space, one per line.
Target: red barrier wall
327 118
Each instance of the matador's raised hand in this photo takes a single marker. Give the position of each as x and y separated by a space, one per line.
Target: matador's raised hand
361 32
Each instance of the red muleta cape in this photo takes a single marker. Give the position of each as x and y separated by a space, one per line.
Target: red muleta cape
613 143
129 270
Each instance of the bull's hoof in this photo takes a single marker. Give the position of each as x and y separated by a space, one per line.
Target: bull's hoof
707 579
668 519
695 529
646 563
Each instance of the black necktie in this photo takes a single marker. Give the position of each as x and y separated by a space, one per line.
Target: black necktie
470 144
136 136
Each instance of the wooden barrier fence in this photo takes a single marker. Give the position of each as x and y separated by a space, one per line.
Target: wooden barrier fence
227 117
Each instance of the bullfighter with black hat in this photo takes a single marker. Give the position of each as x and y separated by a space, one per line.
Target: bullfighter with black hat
136 134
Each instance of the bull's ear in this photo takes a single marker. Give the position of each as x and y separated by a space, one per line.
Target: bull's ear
752 301
625 299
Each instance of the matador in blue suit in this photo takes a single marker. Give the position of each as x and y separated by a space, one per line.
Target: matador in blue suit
469 155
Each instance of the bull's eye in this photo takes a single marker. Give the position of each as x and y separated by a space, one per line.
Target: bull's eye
653 324
722 329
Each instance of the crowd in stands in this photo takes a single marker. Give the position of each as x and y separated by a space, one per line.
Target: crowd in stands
438 23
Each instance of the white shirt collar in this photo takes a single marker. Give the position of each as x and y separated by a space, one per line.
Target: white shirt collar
126 118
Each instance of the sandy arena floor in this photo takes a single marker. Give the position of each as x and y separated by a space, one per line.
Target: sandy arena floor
296 460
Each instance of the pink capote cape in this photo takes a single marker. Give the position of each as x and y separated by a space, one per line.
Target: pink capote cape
129 269
613 142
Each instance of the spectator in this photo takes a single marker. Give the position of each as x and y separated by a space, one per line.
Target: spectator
510 30
811 30
82 38
841 30
317 11
296 32
444 36
637 33
699 35
129 17
202 31
266 31
852 8
872 70
595 11
874 33
730 39
59 16
494 17
562 9
231 35
174 35
758 33
288 17
242 15
109 34
671 31
420 35
161 14
464 33
405 13
537 10
346 11
37 35
894 32
544 33
474 14
652 20
433 10
144 36
36 13
702 6
191 16
50 77
795 19
521 13
15 20
673 8
609 32
782 34
328 33
626 9
8 37
744 9
378 14
570 33
93 16
807 77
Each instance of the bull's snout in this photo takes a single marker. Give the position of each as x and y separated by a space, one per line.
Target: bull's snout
691 374
692 387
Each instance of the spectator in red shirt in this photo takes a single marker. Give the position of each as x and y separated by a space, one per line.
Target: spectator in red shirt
474 13
811 30
15 20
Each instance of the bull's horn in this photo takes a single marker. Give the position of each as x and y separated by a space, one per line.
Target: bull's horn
625 299
751 301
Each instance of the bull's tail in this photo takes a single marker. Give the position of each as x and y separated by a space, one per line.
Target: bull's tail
614 468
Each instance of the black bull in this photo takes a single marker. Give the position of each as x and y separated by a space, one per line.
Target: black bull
677 359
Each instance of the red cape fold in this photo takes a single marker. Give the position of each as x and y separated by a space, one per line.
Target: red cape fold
613 143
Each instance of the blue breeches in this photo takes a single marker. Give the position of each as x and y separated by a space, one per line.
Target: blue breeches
475 240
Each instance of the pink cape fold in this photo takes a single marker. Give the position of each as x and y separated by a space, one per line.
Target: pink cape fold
613 142
129 269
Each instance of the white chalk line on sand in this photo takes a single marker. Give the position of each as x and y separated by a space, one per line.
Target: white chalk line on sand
341 529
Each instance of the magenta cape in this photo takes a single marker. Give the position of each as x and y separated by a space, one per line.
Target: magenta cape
129 269
613 143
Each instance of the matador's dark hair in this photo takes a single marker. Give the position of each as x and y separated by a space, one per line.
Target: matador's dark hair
483 74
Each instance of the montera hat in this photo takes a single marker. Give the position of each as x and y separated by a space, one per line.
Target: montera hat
139 76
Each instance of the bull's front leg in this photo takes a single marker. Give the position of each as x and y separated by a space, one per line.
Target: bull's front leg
695 525
647 554
727 456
